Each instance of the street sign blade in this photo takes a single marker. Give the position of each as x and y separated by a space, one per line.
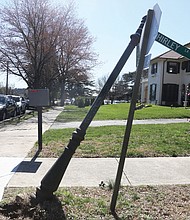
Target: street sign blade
173 45
155 22
154 26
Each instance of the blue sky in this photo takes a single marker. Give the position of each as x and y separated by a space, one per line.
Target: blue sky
112 22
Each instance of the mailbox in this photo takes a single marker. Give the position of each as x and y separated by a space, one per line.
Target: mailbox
38 97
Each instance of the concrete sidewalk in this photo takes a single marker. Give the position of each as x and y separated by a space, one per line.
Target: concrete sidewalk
89 172
59 125
17 140
18 171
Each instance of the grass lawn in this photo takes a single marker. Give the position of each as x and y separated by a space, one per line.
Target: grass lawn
106 141
134 202
120 112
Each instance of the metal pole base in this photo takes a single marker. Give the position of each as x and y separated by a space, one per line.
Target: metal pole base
43 195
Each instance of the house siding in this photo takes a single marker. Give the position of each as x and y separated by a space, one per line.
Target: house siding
161 79
156 79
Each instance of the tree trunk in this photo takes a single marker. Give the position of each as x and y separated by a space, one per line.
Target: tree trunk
62 92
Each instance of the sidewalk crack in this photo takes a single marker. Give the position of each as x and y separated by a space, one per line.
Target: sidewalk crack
125 174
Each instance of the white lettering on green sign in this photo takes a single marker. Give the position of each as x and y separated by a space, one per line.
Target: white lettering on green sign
171 44
167 42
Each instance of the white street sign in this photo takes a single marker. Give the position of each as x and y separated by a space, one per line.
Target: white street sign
154 26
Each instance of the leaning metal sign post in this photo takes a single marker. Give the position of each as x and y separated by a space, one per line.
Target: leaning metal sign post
147 41
53 177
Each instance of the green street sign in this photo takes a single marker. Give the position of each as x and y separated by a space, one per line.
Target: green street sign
173 45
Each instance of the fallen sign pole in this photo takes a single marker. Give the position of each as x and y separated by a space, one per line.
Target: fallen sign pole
52 179
173 45
143 52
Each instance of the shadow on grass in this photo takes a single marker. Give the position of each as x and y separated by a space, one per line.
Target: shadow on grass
116 217
27 207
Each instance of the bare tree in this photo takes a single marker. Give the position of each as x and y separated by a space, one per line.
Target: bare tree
42 44
74 52
27 38
101 82
121 89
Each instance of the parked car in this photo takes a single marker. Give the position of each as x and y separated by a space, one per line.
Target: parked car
20 103
29 107
67 102
7 107
27 103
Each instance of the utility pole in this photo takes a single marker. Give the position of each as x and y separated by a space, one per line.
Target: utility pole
7 79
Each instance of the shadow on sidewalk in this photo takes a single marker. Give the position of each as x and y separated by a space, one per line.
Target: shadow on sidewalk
28 166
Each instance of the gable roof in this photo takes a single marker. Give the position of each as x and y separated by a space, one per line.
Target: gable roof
171 54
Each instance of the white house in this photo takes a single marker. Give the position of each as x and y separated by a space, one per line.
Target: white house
168 80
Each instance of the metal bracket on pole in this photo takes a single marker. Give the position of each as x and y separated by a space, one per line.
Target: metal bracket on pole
52 179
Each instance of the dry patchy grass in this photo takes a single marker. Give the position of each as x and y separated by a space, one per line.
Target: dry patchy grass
134 203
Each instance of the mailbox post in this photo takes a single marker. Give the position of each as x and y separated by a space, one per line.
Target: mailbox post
39 98
39 109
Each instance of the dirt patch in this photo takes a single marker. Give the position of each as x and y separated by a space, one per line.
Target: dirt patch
134 203
25 206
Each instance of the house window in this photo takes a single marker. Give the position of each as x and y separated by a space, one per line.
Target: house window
170 93
186 66
173 67
154 68
153 92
